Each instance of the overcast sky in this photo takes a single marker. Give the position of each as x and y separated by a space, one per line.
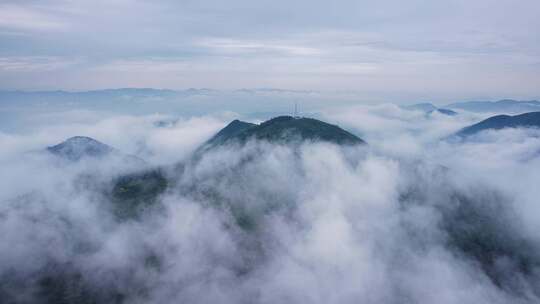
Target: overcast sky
420 48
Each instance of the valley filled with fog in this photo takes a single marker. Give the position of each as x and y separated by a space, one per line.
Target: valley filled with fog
402 210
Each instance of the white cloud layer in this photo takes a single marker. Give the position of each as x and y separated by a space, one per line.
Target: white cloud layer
379 224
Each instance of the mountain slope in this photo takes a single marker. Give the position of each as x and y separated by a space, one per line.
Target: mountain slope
498 122
133 193
231 130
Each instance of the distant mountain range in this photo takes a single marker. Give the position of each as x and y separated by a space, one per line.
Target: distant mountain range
507 106
100 98
129 93
502 106
126 94
498 122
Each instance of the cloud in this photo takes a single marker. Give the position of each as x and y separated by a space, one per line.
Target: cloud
268 223
34 64
231 46
21 17
396 130
387 50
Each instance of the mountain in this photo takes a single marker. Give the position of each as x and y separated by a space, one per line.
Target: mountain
424 107
284 129
82 147
498 122
130 193
501 106
445 112
78 147
140 190
429 108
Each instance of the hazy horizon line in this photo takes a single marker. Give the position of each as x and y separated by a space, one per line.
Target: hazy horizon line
248 89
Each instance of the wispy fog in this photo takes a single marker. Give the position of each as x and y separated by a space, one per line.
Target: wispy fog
413 217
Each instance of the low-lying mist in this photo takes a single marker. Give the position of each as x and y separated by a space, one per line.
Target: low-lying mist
412 217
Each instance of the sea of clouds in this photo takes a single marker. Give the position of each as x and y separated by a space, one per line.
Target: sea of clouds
397 221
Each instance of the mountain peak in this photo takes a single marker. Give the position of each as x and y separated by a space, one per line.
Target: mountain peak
429 109
77 147
284 129
81 139
231 130
447 112
424 107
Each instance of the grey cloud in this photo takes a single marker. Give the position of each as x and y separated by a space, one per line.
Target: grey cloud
439 50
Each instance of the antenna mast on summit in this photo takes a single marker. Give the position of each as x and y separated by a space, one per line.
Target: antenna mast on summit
295 110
